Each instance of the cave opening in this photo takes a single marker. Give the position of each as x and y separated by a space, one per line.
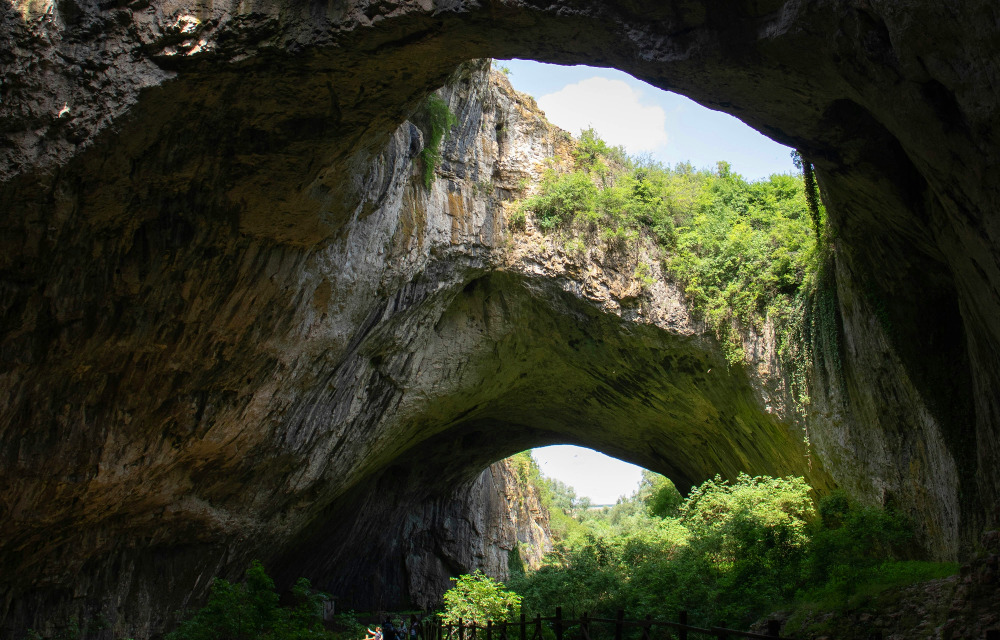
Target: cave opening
198 357
645 120
592 475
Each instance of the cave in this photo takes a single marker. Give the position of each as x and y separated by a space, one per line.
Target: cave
234 326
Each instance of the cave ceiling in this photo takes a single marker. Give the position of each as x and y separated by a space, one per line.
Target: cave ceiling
194 278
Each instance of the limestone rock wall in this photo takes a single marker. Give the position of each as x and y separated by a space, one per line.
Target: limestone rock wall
417 348
485 524
232 316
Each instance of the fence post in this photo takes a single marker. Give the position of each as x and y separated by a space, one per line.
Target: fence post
682 633
559 628
720 631
489 630
646 626
584 626
461 629
538 626
619 624
774 628
524 627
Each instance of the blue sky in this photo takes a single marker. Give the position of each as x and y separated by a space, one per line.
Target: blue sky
645 119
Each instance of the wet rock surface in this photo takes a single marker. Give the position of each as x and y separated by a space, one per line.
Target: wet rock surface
231 313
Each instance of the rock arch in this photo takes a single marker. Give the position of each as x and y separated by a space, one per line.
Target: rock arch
193 197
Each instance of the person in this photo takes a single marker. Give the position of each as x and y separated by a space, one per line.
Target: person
375 635
389 630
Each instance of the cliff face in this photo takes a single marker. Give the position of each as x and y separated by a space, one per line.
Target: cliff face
428 341
501 340
488 524
236 325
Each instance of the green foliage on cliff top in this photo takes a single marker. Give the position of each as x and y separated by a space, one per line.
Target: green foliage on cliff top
744 252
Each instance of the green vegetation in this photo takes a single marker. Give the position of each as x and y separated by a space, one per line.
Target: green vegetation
502 68
557 497
250 610
476 598
728 552
745 253
440 119
811 190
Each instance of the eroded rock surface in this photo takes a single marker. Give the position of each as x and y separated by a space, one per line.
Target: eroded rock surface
233 316
494 523
426 342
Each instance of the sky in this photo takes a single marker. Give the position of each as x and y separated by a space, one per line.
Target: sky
601 478
646 120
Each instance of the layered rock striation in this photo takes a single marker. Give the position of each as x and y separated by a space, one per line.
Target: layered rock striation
235 323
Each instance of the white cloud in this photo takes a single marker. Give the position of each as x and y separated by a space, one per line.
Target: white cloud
613 108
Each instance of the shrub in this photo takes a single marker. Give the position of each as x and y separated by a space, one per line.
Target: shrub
561 198
851 540
593 154
477 598
727 552
732 551
776 503
516 218
659 495
250 609
440 119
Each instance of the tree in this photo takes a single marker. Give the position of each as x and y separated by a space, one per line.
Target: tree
250 611
477 598
659 494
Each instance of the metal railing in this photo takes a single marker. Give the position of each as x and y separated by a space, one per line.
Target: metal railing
583 627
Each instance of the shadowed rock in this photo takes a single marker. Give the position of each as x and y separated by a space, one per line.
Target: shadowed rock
231 313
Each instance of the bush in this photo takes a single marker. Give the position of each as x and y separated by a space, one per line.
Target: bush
593 154
726 553
516 218
250 611
561 198
853 539
440 119
477 598
658 493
